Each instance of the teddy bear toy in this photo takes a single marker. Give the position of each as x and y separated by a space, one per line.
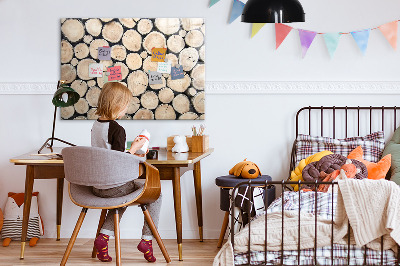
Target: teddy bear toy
13 215
180 144
245 169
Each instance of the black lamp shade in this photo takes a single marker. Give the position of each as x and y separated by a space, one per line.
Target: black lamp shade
73 96
273 11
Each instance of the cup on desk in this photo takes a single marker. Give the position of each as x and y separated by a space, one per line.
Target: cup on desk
152 155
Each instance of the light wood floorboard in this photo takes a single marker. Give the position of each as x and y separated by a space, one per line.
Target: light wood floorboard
50 252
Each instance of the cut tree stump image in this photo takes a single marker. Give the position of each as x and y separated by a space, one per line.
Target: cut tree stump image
131 41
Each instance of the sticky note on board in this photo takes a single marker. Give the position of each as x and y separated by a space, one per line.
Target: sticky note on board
105 78
158 54
115 73
95 70
154 77
104 53
177 72
164 67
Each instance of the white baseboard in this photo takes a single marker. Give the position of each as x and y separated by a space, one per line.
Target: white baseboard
248 87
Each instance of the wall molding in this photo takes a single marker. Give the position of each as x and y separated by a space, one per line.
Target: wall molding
248 87
304 87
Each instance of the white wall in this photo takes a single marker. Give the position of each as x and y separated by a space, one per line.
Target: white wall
259 127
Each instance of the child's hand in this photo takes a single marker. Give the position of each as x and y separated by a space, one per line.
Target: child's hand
137 144
142 155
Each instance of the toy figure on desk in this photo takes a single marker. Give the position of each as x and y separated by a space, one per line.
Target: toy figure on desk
114 100
180 144
13 213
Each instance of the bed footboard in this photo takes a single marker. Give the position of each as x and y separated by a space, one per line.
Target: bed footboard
312 256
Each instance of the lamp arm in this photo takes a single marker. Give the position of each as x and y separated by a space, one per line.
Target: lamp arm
46 143
54 127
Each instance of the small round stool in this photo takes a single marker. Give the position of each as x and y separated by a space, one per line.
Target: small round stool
228 182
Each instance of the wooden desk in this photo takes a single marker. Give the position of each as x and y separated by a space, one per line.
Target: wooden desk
169 165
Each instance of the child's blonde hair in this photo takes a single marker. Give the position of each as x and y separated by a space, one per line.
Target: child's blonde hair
114 96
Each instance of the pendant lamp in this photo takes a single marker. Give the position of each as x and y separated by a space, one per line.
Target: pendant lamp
273 11
63 97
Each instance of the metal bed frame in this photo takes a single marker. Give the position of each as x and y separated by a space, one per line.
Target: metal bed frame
283 184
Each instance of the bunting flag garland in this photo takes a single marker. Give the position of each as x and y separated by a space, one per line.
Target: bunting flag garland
361 37
213 2
281 31
332 41
306 39
256 27
389 30
237 8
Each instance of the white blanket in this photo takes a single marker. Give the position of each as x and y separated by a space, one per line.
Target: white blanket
373 209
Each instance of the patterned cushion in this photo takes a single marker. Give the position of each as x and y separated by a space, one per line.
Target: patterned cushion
372 144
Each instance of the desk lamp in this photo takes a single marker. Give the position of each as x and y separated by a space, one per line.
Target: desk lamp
63 97
273 11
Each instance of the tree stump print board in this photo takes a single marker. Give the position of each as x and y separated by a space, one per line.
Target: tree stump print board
129 43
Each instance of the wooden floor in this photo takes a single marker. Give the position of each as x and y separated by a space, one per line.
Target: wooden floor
50 252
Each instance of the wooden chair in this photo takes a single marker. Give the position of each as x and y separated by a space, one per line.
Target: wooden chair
85 167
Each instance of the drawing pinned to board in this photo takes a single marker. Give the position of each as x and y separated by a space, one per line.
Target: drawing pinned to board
104 53
177 72
131 40
154 78
158 54
164 67
95 70
115 73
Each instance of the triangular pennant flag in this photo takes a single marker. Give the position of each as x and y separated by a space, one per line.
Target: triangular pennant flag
306 39
237 9
255 28
332 41
213 2
361 37
281 31
390 32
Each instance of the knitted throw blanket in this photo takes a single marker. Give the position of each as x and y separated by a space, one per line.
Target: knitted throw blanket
373 209
274 235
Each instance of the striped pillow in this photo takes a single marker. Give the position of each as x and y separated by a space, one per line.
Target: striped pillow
372 145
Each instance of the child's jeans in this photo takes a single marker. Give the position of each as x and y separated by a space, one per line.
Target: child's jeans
154 208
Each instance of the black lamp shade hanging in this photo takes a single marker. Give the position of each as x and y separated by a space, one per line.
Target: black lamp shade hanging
273 11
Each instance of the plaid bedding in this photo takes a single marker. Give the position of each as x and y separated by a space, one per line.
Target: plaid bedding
323 207
340 253
372 145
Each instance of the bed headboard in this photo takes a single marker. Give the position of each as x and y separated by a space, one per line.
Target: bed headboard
344 118
344 121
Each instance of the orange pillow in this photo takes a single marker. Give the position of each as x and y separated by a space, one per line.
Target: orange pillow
375 170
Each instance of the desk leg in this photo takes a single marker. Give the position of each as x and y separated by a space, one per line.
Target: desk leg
199 204
60 190
27 206
176 182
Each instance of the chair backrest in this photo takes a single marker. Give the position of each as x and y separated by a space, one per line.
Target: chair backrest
92 166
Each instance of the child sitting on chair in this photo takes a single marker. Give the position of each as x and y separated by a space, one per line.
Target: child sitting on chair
107 133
